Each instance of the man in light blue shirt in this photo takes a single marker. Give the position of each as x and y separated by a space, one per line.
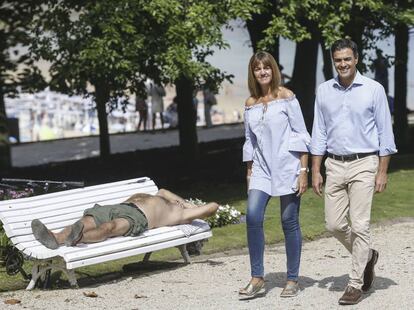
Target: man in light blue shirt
353 127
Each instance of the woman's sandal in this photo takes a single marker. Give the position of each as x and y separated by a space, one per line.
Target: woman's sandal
290 290
252 291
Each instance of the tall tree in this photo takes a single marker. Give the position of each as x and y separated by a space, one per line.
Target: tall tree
400 86
257 25
307 21
193 29
401 32
309 24
378 20
303 81
116 45
100 49
327 59
16 68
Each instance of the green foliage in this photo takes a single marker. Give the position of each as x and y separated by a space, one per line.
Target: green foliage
16 67
116 46
125 42
332 17
225 214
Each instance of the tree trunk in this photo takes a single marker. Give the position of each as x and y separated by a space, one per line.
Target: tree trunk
187 120
304 73
400 88
355 30
5 155
327 60
258 24
102 98
256 27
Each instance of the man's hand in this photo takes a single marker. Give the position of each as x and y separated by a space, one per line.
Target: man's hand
381 177
317 182
380 182
302 183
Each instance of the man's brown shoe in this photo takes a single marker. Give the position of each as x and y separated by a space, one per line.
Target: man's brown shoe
369 272
351 296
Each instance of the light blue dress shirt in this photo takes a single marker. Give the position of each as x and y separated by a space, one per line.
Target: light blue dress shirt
352 120
275 137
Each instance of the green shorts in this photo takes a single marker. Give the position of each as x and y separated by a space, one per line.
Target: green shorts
137 221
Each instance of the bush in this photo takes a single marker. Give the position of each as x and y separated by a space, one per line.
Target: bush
225 215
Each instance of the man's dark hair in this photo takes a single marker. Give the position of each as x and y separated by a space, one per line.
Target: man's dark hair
344 43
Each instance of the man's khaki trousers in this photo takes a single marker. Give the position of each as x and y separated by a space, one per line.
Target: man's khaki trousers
348 197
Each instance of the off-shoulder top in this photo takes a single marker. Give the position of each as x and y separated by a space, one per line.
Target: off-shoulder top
275 136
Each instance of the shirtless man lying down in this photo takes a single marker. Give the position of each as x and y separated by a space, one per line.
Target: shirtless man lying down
129 218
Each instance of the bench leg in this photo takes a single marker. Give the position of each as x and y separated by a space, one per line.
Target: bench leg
35 276
184 253
40 272
41 267
72 278
146 257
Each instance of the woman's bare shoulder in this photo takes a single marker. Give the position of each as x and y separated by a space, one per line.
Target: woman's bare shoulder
285 93
250 101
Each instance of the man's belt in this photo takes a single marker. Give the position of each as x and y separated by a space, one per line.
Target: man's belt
351 157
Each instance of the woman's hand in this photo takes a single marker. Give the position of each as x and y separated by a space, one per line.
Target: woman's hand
248 182
302 182
249 173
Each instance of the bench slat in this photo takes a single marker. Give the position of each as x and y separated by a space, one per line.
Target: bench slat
23 241
137 251
35 250
124 245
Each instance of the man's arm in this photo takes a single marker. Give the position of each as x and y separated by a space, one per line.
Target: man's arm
381 177
317 180
385 137
175 199
318 145
171 197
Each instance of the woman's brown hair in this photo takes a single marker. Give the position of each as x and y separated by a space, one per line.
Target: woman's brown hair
268 61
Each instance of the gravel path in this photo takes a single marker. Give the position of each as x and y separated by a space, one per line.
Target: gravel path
211 282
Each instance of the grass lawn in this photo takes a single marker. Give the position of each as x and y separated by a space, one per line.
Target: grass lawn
396 202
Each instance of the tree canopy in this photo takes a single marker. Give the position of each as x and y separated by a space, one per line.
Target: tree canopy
115 46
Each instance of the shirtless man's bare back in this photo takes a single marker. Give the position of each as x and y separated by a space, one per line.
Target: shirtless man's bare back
163 209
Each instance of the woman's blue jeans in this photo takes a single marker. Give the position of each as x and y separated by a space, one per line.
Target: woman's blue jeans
289 213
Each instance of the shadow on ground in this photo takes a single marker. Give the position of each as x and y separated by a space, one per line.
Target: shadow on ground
333 283
278 280
131 270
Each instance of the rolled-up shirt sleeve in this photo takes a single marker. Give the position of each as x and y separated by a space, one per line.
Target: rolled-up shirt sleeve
383 122
318 144
299 140
250 141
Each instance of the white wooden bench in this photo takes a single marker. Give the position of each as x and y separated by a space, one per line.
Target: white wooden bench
60 209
